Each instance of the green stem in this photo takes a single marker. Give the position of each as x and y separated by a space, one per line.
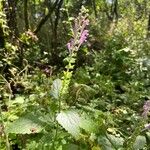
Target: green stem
4 131
132 138
65 79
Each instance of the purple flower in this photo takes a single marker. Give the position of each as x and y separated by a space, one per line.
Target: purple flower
86 22
79 33
146 109
70 45
83 36
147 127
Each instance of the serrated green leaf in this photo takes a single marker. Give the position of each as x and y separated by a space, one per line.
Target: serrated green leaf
88 125
110 142
70 121
104 143
56 88
26 124
139 142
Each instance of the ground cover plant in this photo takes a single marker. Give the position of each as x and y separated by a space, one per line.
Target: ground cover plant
74 75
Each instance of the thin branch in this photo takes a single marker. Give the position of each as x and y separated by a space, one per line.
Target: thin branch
116 9
57 14
46 17
107 11
26 14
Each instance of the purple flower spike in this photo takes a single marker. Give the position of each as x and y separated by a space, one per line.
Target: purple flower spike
84 36
79 32
146 109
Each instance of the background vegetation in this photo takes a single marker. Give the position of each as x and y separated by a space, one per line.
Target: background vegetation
74 74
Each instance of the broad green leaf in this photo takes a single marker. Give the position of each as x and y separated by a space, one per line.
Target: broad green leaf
104 143
139 142
56 88
110 142
70 121
26 124
88 125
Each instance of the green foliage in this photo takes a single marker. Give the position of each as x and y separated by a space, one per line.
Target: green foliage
110 142
87 96
70 121
56 88
139 142
26 124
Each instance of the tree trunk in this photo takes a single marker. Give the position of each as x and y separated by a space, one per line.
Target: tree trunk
26 14
2 38
11 8
148 27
